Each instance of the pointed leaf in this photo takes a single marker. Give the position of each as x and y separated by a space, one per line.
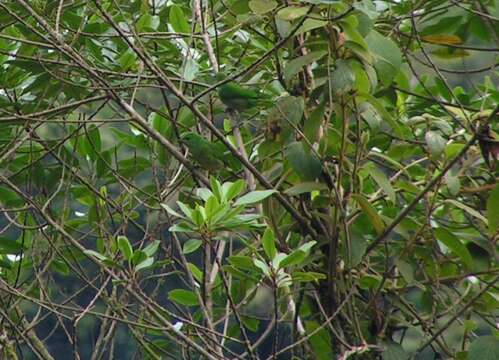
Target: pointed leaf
178 20
455 245
254 196
493 210
268 243
183 297
125 247
370 212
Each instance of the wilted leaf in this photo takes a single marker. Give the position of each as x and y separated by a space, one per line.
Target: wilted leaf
443 39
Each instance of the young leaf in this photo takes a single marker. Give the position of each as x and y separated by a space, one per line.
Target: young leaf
152 248
234 189
295 258
268 243
95 254
145 264
125 247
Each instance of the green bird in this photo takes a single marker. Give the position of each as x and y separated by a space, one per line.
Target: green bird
236 97
208 155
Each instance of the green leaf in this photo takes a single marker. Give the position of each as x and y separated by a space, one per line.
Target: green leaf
484 348
196 273
350 29
234 189
296 257
125 247
9 246
262 6
305 187
314 122
370 212
380 108
357 249
242 262
253 197
183 297
147 22
138 257
436 143
128 60
455 245
197 216
178 21
308 276
268 243
320 341
262 266
394 351
144 264
382 181
342 78
294 66
291 13
216 188
388 57
61 267
468 209
95 254
250 323
493 210
310 24
305 163
191 69
152 248
191 245
211 207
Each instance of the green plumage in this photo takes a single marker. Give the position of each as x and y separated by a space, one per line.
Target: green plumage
238 98
205 153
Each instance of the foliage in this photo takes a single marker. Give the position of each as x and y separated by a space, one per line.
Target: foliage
254 179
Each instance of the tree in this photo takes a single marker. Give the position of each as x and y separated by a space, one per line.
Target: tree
228 179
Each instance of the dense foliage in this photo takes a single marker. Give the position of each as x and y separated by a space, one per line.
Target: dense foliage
260 179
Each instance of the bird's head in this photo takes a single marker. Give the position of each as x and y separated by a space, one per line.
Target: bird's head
190 138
